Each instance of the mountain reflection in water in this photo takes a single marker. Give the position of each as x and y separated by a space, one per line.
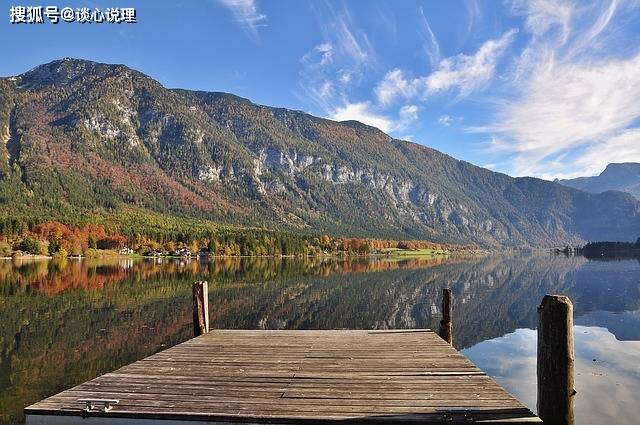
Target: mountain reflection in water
65 323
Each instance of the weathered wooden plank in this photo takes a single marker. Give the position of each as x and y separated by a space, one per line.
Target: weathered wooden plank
255 409
293 376
262 403
503 416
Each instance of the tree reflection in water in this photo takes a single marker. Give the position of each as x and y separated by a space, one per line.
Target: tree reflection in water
66 322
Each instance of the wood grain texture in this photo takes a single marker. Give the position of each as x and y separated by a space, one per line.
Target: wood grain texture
200 308
446 324
300 377
556 361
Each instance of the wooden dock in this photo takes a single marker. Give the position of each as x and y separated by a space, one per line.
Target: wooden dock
291 377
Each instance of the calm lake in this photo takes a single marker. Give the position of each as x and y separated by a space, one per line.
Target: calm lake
64 323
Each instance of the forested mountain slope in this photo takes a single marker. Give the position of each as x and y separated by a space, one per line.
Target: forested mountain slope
80 137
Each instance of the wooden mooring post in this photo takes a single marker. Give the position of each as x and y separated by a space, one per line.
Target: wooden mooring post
446 324
200 308
556 361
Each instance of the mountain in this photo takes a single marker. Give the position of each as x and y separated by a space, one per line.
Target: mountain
624 177
82 138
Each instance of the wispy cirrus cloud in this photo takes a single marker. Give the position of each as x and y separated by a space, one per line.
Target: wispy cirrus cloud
577 104
431 46
350 43
565 105
462 73
331 68
334 68
622 147
555 96
445 120
247 14
319 81
543 17
468 73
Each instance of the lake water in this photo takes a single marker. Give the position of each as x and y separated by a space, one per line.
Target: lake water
65 323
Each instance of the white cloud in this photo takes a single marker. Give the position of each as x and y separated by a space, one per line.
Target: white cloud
569 106
326 51
466 73
350 44
409 112
407 115
445 120
315 81
602 22
325 90
431 46
474 15
354 45
571 103
247 13
623 147
363 112
545 16
395 85
367 113
331 68
344 76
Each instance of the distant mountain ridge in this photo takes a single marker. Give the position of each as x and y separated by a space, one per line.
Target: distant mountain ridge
81 137
624 177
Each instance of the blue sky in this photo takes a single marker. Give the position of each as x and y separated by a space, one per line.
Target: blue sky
548 88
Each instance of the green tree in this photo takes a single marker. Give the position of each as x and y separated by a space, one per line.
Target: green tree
5 249
30 245
54 246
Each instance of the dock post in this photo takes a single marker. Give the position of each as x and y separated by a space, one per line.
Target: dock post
446 324
556 360
200 308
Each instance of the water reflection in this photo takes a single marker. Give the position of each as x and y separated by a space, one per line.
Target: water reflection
607 373
64 323
51 277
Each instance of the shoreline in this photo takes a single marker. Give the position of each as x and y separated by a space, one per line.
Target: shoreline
399 256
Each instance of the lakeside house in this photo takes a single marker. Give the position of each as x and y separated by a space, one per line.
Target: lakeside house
153 253
182 252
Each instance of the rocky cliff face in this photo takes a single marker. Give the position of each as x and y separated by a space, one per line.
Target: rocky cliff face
88 136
